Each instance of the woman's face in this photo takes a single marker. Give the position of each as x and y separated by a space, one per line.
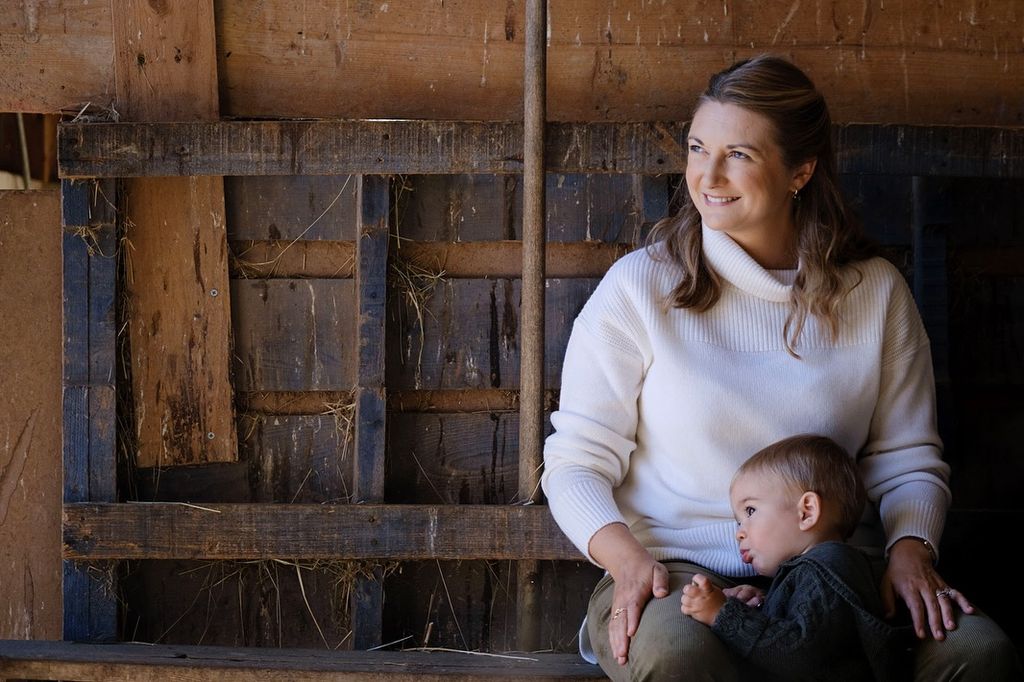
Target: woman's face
737 178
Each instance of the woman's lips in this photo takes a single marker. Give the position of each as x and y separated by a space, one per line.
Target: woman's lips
719 201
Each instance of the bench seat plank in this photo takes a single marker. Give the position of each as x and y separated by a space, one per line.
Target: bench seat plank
81 662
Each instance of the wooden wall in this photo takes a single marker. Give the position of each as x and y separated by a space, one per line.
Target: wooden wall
905 61
452 321
30 416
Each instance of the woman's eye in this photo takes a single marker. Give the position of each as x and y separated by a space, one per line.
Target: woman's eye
696 149
738 154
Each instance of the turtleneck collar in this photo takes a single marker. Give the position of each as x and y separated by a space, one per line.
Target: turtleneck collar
734 265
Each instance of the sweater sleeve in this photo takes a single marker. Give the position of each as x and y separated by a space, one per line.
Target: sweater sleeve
588 454
902 464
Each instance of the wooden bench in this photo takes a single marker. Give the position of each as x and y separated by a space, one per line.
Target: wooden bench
78 662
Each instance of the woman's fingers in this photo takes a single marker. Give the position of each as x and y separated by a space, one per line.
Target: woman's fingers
660 580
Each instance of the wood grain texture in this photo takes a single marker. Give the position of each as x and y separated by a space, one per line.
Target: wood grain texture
30 415
55 54
294 335
291 208
177 283
163 663
446 147
89 389
876 61
914 61
464 333
311 531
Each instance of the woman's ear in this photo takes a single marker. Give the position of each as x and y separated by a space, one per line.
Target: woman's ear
810 510
802 174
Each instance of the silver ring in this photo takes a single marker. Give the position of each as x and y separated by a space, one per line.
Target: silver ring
944 592
618 612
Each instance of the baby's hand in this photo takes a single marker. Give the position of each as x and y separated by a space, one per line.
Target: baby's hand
748 594
702 600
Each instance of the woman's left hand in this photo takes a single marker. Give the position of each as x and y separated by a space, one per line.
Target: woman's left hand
912 577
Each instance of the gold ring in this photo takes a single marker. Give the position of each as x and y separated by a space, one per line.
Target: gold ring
618 612
944 592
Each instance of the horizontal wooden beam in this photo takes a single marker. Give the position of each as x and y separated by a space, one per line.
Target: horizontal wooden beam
445 401
294 402
289 259
158 530
505 258
462 400
323 259
54 660
358 147
432 147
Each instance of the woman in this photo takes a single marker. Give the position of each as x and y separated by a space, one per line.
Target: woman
757 313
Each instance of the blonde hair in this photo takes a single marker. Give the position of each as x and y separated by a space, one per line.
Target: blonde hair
828 235
817 464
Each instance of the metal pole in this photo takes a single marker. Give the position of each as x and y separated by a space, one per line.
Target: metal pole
531 382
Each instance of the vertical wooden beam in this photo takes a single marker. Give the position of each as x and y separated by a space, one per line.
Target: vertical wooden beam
531 397
90 607
371 291
177 272
30 415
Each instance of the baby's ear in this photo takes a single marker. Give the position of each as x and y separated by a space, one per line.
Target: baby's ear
810 510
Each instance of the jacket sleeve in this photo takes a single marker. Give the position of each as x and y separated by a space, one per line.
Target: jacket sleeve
798 642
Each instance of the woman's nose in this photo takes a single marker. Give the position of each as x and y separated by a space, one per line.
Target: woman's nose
713 170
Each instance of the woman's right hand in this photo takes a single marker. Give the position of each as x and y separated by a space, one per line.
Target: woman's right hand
637 576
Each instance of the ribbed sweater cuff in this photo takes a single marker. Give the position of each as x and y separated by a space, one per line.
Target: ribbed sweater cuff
583 505
914 509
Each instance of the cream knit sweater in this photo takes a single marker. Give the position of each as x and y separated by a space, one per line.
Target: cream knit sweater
659 406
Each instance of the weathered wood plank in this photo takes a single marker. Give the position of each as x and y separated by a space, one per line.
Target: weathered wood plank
291 208
311 531
503 259
362 147
296 259
164 663
472 604
462 400
180 312
371 293
300 459
258 260
373 208
470 208
454 458
270 603
619 61
88 424
294 335
30 414
425 147
293 402
914 61
425 352
68 45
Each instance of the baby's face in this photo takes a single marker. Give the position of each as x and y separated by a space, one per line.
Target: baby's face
768 512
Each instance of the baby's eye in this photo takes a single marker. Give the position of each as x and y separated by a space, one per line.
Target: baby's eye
749 511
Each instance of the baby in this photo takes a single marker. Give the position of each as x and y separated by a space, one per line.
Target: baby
796 501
